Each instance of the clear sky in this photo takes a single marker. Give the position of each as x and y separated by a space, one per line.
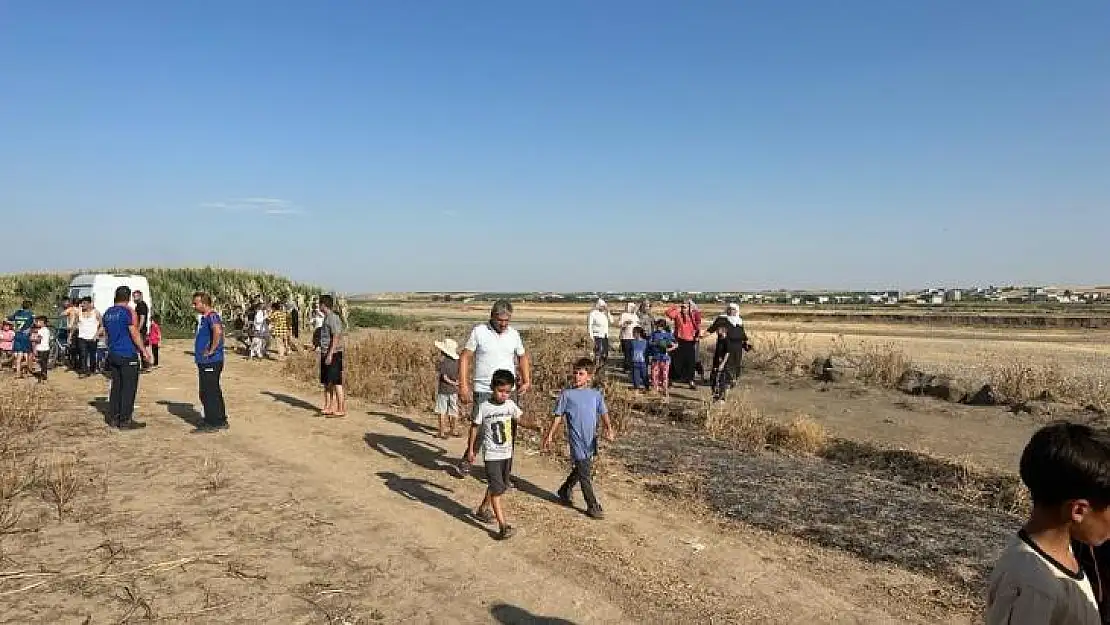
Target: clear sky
374 145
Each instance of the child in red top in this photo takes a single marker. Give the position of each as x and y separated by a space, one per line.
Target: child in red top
155 338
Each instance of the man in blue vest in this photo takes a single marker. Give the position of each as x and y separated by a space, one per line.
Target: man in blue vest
125 355
208 350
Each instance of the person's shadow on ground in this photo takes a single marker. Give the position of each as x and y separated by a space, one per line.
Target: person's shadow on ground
184 411
512 615
425 455
431 494
289 400
410 425
101 405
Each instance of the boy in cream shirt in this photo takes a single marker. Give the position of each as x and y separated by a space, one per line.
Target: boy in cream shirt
1048 575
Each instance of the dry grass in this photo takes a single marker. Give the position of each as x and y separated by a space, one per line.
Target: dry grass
22 409
395 368
782 352
61 482
738 421
881 364
801 435
1026 379
212 473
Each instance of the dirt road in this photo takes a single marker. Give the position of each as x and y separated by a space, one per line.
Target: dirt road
292 518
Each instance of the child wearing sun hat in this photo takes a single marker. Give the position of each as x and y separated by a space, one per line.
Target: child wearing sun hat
447 387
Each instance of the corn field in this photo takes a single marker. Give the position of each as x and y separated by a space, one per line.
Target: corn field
172 290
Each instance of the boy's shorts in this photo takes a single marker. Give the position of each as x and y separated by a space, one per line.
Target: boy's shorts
498 473
447 404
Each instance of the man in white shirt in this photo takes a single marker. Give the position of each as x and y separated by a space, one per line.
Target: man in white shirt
493 345
597 324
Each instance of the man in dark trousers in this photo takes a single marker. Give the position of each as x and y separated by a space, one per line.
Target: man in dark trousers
125 355
142 314
209 355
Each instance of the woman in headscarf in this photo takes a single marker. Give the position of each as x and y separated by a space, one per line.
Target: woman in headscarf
732 341
647 321
687 329
597 323
629 321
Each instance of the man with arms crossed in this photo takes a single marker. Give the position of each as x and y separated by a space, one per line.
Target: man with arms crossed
491 346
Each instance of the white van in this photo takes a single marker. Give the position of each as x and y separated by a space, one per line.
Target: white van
101 287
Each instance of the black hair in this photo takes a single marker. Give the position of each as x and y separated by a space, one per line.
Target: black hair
661 324
327 301
1067 461
87 298
639 331
583 363
27 304
123 293
156 318
42 318
501 378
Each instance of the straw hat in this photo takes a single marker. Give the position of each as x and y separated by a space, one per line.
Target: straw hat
448 347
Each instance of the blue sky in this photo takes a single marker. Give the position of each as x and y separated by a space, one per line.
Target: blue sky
572 145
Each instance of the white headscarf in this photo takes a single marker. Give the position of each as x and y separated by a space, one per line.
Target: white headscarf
732 313
631 307
600 304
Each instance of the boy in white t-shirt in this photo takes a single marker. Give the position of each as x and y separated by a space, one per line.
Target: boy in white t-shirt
41 340
1048 574
496 419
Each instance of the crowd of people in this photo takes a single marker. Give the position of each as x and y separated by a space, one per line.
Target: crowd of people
1056 570
73 335
657 353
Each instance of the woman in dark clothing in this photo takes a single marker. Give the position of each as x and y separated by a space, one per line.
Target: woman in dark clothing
732 342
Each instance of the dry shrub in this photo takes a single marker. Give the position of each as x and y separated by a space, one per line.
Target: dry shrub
737 421
802 435
17 476
784 352
212 473
1026 379
882 364
61 483
9 516
22 408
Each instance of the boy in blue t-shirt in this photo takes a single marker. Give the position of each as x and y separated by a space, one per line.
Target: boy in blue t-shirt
582 407
638 356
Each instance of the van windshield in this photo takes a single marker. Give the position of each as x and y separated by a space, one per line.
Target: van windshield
80 291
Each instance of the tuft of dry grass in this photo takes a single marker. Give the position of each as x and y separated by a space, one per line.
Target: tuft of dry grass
22 409
212 473
61 483
738 421
783 352
881 364
801 435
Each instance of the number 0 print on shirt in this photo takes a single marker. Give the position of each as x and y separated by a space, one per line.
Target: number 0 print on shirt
501 432
496 422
